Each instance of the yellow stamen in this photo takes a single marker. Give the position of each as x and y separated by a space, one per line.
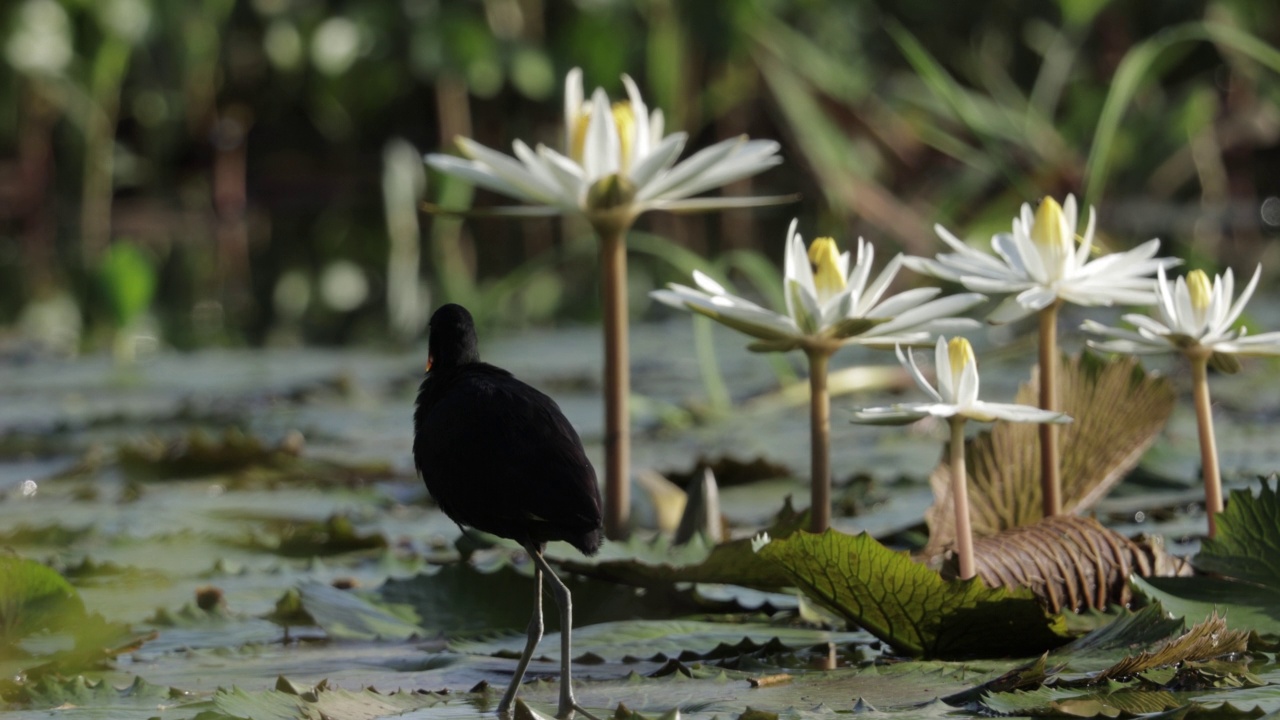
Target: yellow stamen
827 277
623 118
961 353
1200 289
1047 233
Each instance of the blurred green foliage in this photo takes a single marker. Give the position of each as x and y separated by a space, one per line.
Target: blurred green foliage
239 144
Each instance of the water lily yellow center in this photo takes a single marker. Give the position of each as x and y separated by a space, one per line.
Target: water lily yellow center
827 278
623 118
1199 288
1050 235
960 352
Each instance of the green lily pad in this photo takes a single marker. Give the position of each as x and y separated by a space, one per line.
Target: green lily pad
1243 606
33 597
342 614
910 606
1247 546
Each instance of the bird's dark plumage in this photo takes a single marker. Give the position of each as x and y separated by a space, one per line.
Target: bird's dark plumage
495 453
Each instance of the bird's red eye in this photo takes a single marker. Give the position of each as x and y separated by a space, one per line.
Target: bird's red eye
430 359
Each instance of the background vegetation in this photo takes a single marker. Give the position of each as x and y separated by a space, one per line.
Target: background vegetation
238 147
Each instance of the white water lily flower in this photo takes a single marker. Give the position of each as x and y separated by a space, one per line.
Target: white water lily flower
830 300
1192 315
955 395
1041 262
616 157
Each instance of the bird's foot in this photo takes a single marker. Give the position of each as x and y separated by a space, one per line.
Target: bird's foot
569 710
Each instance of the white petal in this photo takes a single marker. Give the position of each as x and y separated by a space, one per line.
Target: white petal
1238 306
706 283
908 360
572 105
942 371
869 296
1014 413
793 255
512 171
479 174
967 388
857 280
898 304
1086 244
658 161
751 157
1127 347
1008 248
1263 344
603 150
929 312
1008 311
892 415
690 168
640 139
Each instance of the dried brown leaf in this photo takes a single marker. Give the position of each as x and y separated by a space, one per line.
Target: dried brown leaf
1206 641
1068 562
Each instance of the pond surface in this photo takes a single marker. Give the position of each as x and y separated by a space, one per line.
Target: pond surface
276 473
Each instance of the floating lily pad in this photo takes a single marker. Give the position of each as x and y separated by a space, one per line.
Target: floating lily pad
910 606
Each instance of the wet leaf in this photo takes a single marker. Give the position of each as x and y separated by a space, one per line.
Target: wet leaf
660 640
1114 641
342 614
1243 606
51 692
1206 641
1066 702
910 606
197 454
320 702
1069 562
333 536
1247 546
1245 551
1117 409
33 598
733 562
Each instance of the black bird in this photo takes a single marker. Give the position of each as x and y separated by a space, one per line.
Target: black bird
499 456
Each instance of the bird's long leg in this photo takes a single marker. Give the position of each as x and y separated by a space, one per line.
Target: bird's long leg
535 634
563 599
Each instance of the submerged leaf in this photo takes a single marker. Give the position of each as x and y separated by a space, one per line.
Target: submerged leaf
910 606
1086 703
1247 546
1069 562
1118 409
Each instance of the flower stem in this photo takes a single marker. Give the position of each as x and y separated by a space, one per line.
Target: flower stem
1208 446
1050 478
820 442
960 499
617 383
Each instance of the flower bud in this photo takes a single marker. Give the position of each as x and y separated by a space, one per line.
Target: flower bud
1199 288
960 352
623 118
827 277
1051 236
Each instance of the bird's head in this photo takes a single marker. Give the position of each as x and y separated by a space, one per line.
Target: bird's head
452 338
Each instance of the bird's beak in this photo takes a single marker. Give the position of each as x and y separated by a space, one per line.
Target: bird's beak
430 360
